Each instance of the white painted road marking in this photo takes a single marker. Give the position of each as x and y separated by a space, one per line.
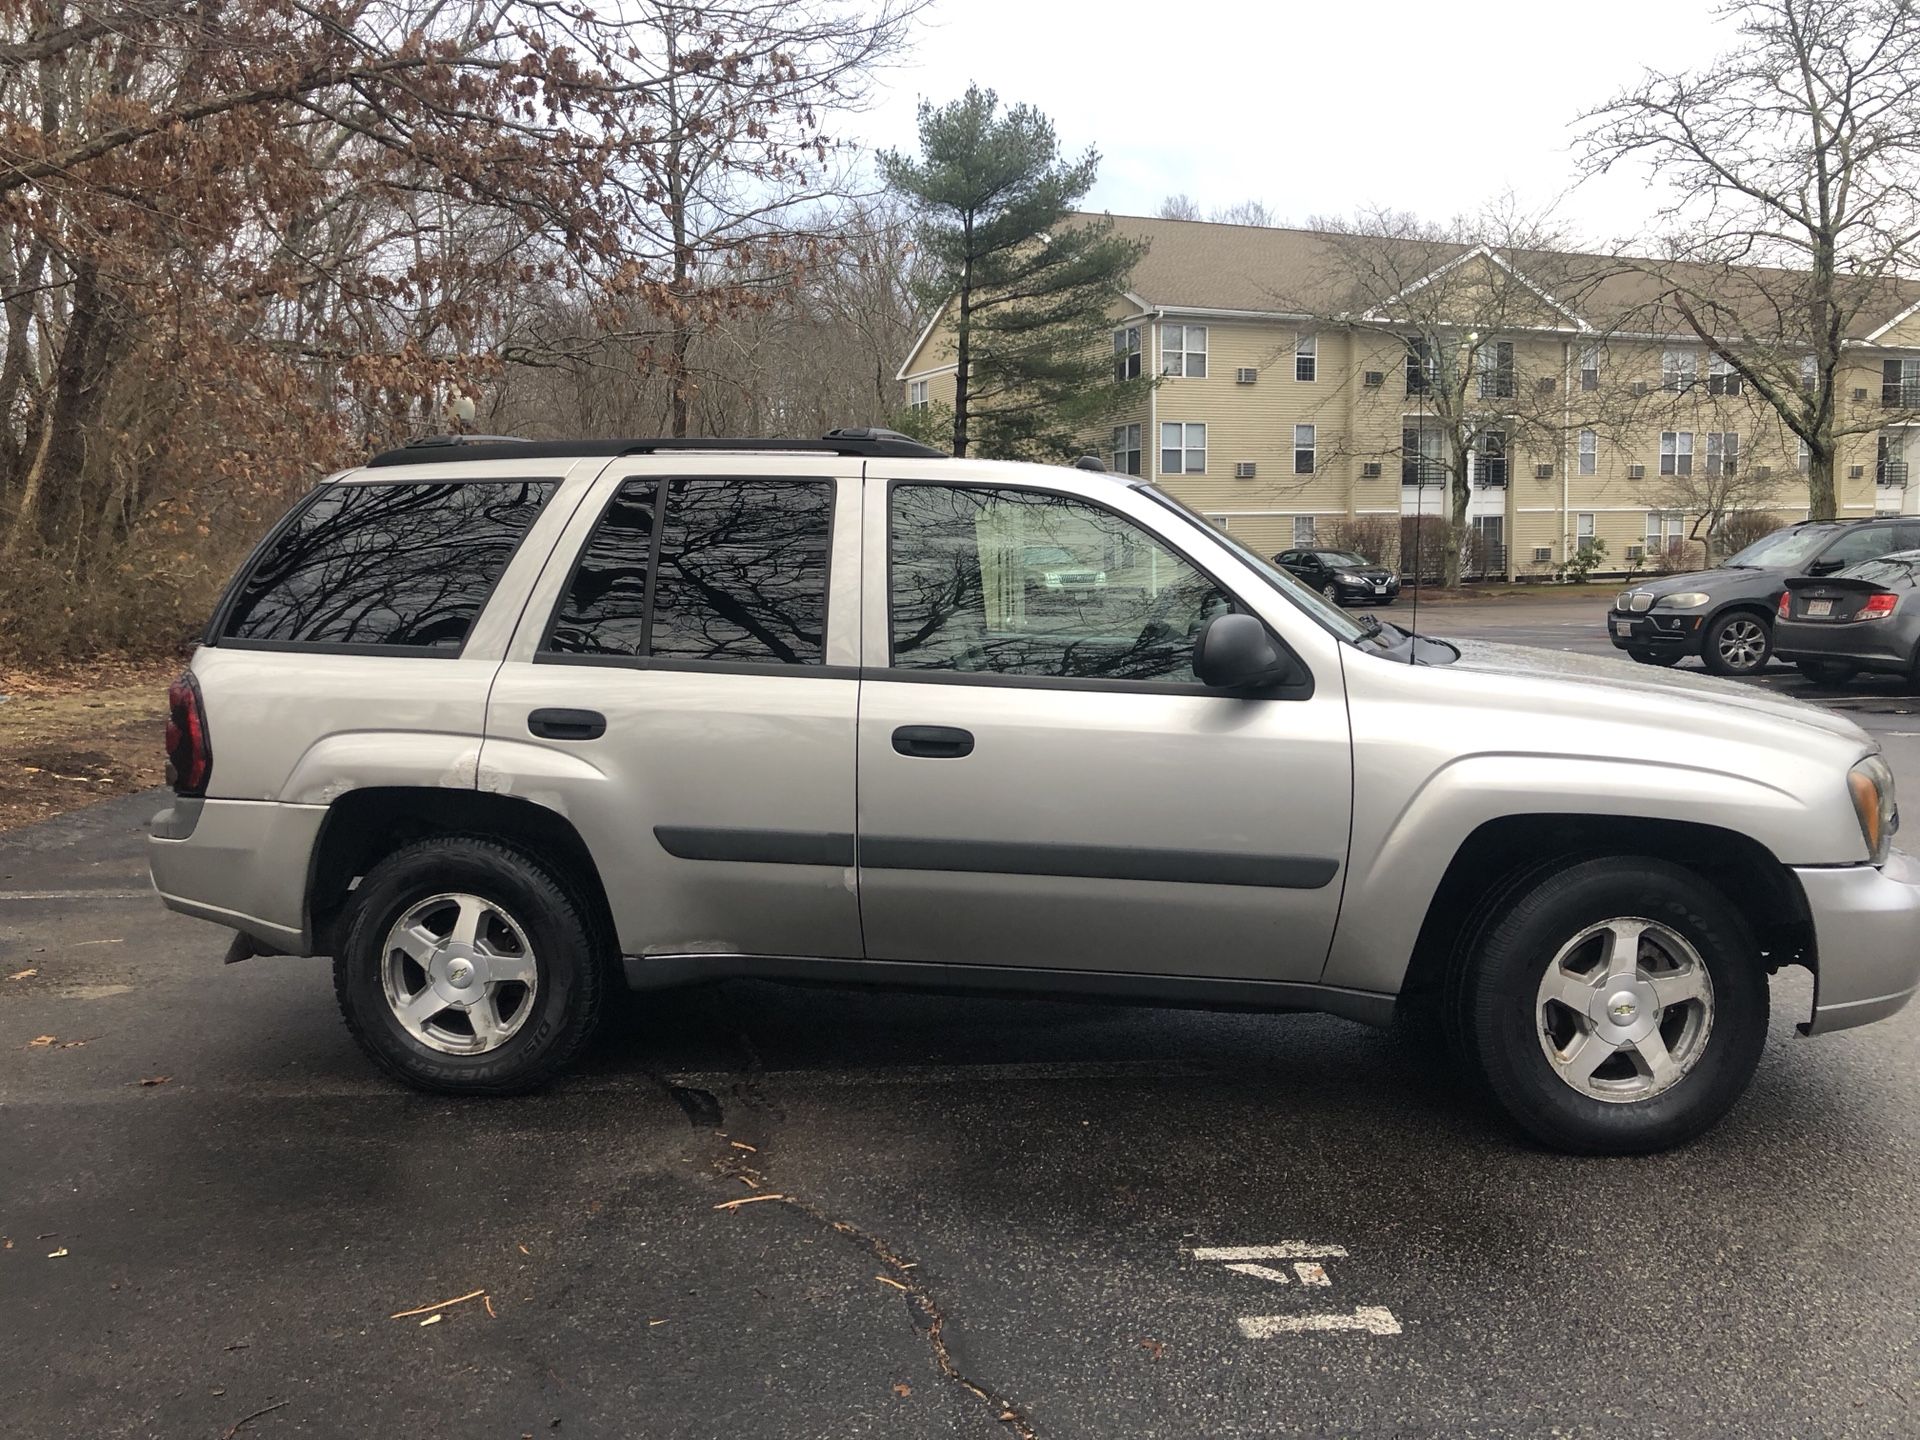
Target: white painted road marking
1310 1273
1260 1272
1284 1250
1371 1319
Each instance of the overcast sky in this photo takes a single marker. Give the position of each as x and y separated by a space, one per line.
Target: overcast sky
1318 108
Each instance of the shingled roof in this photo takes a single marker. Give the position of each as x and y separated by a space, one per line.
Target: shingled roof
1202 265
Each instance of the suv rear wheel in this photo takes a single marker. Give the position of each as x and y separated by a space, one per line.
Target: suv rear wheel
467 969
1738 643
1613 1006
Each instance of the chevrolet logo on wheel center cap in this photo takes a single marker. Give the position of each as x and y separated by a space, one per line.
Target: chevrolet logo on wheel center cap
460 974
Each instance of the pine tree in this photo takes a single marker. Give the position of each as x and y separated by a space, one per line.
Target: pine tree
1025 289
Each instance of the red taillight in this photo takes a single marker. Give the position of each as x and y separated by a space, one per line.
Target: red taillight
189 752
1878 607
1786 604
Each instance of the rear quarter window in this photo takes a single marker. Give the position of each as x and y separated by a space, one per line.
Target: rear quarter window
391 567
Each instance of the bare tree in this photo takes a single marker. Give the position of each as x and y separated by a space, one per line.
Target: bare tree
1716 487
1793 160
1180 207
1459 312
1245 212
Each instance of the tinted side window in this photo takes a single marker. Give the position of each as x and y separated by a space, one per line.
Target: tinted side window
1865 544
737 571
386 565
604 611
968 595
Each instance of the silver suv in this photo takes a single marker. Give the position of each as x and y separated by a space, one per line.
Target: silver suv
498 724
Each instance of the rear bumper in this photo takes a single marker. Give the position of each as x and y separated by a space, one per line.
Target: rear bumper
1870 644
1866 924
1656 631
238 863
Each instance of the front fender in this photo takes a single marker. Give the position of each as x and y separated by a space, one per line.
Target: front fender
1401 854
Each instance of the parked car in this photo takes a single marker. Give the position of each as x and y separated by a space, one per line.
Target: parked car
1054 567
498 725
1865 617
1342 576
1726 615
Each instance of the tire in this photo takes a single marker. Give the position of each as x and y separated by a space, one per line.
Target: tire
1831 673
1738 643
1600 1093
1332 592
527 929
1662 658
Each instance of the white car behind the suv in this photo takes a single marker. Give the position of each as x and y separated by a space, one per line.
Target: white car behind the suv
498 724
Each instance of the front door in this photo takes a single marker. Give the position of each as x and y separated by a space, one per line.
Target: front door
685 695
1043 782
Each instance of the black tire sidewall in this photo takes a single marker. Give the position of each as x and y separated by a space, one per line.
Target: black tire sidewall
1502 983
1655 657
566 1000
1710 643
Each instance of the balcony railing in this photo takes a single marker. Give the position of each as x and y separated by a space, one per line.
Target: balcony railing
1890 472
1418 470
1900 395
1491 471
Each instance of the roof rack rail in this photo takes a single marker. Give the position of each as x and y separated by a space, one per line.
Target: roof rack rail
865 443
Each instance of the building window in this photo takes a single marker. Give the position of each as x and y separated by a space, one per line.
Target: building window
1890 464
1126 354
1490 450
1183 449
917 394
1126 449
1723 452
1665 530
1183 351
1583 527
1900 384
1806 458
1590 368
1306 357
1421 369
1303 449
1679 369
1494 361
1676 452
1589 452
1722 378
1809 372
1303 536
1422 452
1488 555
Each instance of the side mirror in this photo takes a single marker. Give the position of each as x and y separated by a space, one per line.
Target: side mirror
1235 652
1826 567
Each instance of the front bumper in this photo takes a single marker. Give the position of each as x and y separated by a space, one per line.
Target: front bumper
1866 926
1389 590
1870 644
238 863
1660 631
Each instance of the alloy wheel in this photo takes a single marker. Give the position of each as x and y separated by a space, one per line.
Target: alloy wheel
1742 643
459 974
1624 1010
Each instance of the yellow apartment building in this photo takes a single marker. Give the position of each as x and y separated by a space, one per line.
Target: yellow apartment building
1277 420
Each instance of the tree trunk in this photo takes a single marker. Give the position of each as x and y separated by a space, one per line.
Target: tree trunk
1460 494
1821 502
962 353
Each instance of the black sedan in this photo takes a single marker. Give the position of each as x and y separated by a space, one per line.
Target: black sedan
1866 617
1341 575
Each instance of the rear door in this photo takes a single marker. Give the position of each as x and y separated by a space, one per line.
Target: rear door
1043 782
684 691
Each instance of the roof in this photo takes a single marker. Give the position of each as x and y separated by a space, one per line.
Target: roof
439 449
1204 265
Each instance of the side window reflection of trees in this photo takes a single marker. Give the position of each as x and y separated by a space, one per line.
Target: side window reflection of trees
1021 582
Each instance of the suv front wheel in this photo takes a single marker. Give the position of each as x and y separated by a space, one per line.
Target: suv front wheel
467 969
1738 643
1614 1006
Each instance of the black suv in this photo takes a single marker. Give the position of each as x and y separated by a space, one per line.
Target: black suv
1341 575
1725 615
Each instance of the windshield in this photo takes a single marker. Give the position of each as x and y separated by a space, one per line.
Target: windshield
1328 614
1782 550
1343 557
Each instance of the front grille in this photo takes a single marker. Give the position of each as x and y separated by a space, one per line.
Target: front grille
1636 602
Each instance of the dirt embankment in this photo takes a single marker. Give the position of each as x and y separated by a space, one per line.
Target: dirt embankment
78 734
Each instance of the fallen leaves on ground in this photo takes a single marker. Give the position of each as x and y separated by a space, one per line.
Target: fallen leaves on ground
23 974
40 1042
57 1254
902 1389
156 1079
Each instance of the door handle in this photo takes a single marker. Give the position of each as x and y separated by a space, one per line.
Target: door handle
933 742
567 724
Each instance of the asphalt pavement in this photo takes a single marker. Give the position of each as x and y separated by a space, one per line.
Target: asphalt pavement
993 1217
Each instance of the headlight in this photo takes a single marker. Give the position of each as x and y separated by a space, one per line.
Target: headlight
1345 579
1871 785
1685 600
